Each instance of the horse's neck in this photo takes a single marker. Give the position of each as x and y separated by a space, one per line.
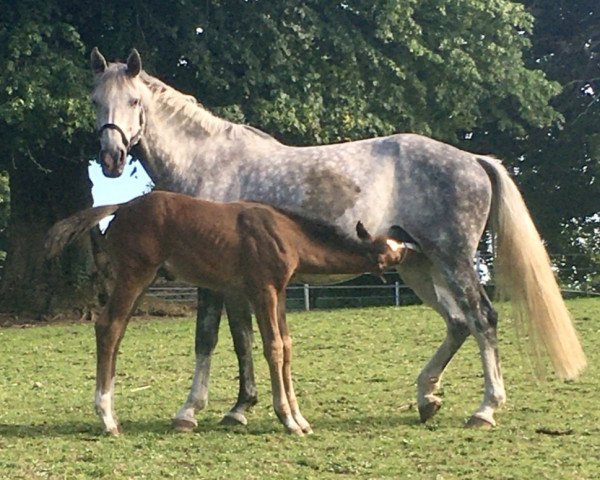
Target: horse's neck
183 149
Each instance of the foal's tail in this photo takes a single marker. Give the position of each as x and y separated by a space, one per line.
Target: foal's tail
524 275
70 229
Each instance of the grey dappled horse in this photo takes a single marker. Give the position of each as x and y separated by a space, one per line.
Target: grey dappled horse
442 196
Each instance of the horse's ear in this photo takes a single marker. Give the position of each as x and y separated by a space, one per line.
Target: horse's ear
134 63
362 233
97 61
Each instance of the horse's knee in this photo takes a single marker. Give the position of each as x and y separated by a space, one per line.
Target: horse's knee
273 351
206 341
208 318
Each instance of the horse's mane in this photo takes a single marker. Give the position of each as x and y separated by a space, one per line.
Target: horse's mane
177 103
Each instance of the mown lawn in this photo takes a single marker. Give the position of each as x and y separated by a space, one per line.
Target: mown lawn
355 376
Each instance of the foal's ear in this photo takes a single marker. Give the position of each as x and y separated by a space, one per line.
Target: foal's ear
134 63
362 233
97 61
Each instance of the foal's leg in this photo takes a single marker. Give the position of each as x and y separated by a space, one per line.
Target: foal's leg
110 328
240 325
287 366
266 309
210 306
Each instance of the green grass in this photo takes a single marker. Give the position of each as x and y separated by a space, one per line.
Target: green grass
355 376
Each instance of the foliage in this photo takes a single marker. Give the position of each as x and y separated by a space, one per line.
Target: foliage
328 71
558 167
44 111
4 213
355 374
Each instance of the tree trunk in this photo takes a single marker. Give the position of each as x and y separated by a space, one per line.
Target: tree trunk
30 284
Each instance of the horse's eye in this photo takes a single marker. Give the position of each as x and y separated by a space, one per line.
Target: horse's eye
134 102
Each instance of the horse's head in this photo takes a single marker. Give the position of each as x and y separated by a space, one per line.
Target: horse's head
118 98
387 251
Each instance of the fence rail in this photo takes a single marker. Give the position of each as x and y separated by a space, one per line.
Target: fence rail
308 297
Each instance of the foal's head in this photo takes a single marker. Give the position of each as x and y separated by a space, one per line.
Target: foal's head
118 99
387 251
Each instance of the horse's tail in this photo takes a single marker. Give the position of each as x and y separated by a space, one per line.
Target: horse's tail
70 229
524 275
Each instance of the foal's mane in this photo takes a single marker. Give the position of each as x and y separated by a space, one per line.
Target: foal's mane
193 111
326 233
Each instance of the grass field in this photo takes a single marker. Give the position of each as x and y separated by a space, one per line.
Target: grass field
355 375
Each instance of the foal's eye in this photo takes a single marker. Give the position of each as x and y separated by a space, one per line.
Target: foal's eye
134 102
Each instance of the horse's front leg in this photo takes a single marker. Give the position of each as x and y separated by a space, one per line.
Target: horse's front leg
240 325
210 306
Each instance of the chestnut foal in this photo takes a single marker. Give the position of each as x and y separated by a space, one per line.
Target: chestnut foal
249 247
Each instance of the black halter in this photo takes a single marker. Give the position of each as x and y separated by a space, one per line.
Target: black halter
127 142
112 126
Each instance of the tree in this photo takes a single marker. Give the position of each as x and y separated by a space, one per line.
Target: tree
309 72
558 166
4 213
45 120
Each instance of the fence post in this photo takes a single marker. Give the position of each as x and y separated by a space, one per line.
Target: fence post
397 293
306 297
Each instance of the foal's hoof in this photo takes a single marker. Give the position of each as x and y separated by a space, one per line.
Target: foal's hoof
429 410
233 419
479 423
183 425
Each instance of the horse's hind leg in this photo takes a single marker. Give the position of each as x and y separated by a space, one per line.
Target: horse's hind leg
482 320
495 394
417 272
239 315
110 328
210 306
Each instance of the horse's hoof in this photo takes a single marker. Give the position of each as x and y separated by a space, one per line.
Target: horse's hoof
113 432
308 430
234 418
429 410
296 431
183 425
479 423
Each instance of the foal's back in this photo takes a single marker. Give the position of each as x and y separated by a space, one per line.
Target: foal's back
228 245
194 239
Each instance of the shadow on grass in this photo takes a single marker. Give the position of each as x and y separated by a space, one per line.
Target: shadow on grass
92 431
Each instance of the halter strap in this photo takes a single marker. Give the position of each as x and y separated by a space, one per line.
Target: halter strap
113 126
127 142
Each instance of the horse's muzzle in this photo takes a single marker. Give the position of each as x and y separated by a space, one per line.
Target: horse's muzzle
112 162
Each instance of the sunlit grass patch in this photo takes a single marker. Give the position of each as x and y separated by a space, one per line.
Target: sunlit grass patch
355 374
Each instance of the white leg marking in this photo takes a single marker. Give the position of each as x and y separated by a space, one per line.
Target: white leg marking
198 396
105 408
